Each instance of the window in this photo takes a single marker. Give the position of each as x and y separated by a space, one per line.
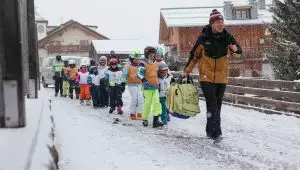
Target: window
55 43
241 14
84 42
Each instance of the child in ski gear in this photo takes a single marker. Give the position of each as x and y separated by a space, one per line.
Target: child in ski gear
113 55
57 70
72 75
159 54
134 85
94 81
164 84
147 73
65 78
91 66
102 69
116 86
82 79
210 53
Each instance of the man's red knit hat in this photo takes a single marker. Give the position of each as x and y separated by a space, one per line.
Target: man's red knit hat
215 15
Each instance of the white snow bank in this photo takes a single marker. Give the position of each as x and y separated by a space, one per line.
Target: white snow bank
297 80
25 148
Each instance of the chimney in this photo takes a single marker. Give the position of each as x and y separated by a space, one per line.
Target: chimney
261 4
253 9
227 8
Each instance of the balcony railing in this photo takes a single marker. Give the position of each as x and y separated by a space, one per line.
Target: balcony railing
67 48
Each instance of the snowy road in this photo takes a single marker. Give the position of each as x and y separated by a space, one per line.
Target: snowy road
87 139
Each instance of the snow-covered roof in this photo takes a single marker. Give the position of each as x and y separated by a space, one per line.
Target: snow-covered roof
118 46
199 16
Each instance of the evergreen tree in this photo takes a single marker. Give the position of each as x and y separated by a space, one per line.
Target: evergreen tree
285 52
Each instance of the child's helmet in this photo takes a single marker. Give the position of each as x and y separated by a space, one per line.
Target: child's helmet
92 62
148 50
66 63
58 57
113 61
163 66
84 63
135 54
103 58
72 62
159 51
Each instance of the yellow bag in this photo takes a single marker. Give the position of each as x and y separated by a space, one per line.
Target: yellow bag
183 99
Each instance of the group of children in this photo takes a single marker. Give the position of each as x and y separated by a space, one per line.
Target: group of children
147 80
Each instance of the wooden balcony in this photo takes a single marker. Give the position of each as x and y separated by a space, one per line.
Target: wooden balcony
67 48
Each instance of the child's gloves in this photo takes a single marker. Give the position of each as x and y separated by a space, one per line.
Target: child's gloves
107 88
123 85
145 82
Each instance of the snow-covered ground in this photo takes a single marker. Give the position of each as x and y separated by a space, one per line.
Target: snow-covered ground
87 139
26 148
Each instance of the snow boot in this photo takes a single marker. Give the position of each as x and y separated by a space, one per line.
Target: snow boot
56 94
120 111
111 110
218 139
145 123
156 122
81 101
77 96
139 116
133 116
88 103
71 96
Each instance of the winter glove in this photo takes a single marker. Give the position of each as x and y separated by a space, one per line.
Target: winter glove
107 88
123 85
145 82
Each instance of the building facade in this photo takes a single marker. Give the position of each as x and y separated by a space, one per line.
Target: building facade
247 20
69 39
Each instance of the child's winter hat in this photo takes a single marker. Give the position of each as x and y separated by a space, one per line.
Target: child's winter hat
163 66
215 15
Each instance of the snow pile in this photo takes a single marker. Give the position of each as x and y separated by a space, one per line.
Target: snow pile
25 148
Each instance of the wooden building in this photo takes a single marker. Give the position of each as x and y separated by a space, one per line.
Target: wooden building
246 20
69 39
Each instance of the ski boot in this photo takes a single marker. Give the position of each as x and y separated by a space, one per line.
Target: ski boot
218 139
133 116
71 96
111 110
81 101
145 123
120 111
139 116
156 122
88 102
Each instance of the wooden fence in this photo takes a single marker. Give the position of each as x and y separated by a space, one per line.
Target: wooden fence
268 96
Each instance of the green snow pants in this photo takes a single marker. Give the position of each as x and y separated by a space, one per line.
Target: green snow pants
151 100
65 88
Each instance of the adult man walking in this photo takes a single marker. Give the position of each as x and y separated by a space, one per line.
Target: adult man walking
211 54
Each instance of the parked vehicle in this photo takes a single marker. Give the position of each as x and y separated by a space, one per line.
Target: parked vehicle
46 69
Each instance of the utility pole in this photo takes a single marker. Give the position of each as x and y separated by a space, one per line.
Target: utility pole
14 62
32 50
2 116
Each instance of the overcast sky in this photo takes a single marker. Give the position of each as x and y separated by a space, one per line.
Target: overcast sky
116 19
